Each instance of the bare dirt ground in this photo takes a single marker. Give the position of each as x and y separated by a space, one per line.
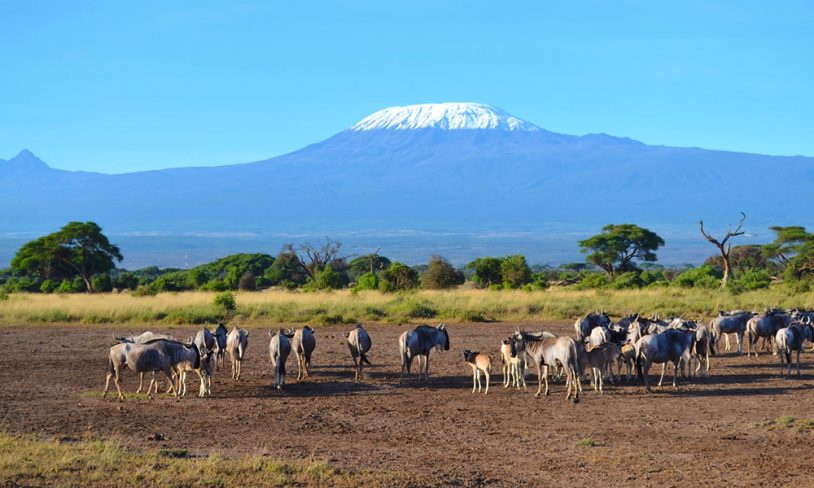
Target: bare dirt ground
708 432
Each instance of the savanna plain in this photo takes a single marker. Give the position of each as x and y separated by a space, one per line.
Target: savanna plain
741 425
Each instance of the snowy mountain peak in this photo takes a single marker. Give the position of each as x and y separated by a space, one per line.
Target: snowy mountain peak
446 116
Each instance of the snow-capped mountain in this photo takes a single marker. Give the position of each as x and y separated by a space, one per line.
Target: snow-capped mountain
447 116
437 169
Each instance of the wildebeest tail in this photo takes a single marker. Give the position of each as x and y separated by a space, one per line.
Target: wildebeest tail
575 356
240 351
363 357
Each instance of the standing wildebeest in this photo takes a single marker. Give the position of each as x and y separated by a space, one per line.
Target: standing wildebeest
209 343
279 349
359 344
702 350
236 342
202 369
764 325
546 351
598 359
142 338
724 324
303 344
419 342
672 345
220 348
790 339
584 325
480 363
514 365
157 355
599 335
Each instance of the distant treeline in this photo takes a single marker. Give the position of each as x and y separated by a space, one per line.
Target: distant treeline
79 258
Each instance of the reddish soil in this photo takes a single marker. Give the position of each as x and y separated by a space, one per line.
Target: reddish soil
708 432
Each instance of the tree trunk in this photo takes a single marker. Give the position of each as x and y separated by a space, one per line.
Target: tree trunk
727 268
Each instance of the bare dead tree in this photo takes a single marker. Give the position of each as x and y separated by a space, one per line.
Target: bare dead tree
314 258
723 247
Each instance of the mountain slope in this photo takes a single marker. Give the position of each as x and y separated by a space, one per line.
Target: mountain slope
456 167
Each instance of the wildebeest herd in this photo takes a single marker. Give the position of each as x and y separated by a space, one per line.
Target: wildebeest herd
599 346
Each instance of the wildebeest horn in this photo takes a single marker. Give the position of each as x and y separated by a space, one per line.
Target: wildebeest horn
271 334
117 337
288 332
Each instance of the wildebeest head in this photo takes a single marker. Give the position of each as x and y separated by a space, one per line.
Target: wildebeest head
288 333
469 356
443 328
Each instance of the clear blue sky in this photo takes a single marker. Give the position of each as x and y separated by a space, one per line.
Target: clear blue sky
126 86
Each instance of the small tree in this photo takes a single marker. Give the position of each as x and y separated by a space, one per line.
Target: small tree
226 302
515 271
616 248
723 247
398 277
440 274
486 272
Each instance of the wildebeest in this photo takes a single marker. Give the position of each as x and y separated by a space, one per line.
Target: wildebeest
359 344
156 355
236 342
627 356
790 339
599 358
480 363
514 365
303 344
141 339
209 343
672 345
220 348
701 350
584 325
599 335
728 323
764 325
419 342
279 349
202 369
546 351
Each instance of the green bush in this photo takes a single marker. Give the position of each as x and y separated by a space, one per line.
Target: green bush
101 283
486 272
226 302
367 281
593 280
704 276
398 277
440 275
754 279
49 286
515 271
328 279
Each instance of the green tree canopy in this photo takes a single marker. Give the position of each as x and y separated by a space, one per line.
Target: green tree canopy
616 248
79 249
486 272
787 243
515 271
440 274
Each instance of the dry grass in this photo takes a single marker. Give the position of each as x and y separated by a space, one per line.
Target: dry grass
276 306
26 461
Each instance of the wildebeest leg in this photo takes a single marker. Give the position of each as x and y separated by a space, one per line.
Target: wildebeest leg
798 359
545 378
140 382
739 339
726 339
118 385
539 379
168 373
663 369
486 373
427 368
675 372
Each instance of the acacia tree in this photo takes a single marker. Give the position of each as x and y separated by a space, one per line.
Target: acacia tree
77 249
723 247
616 248
794 247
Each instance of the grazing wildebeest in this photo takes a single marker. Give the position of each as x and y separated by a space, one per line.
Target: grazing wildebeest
764 325
303 344
546 351
220 348
672 345
701 350
584 325
359 344
480 363
156 355
236 342
790 339
419 342
141 339
731 323
279 349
